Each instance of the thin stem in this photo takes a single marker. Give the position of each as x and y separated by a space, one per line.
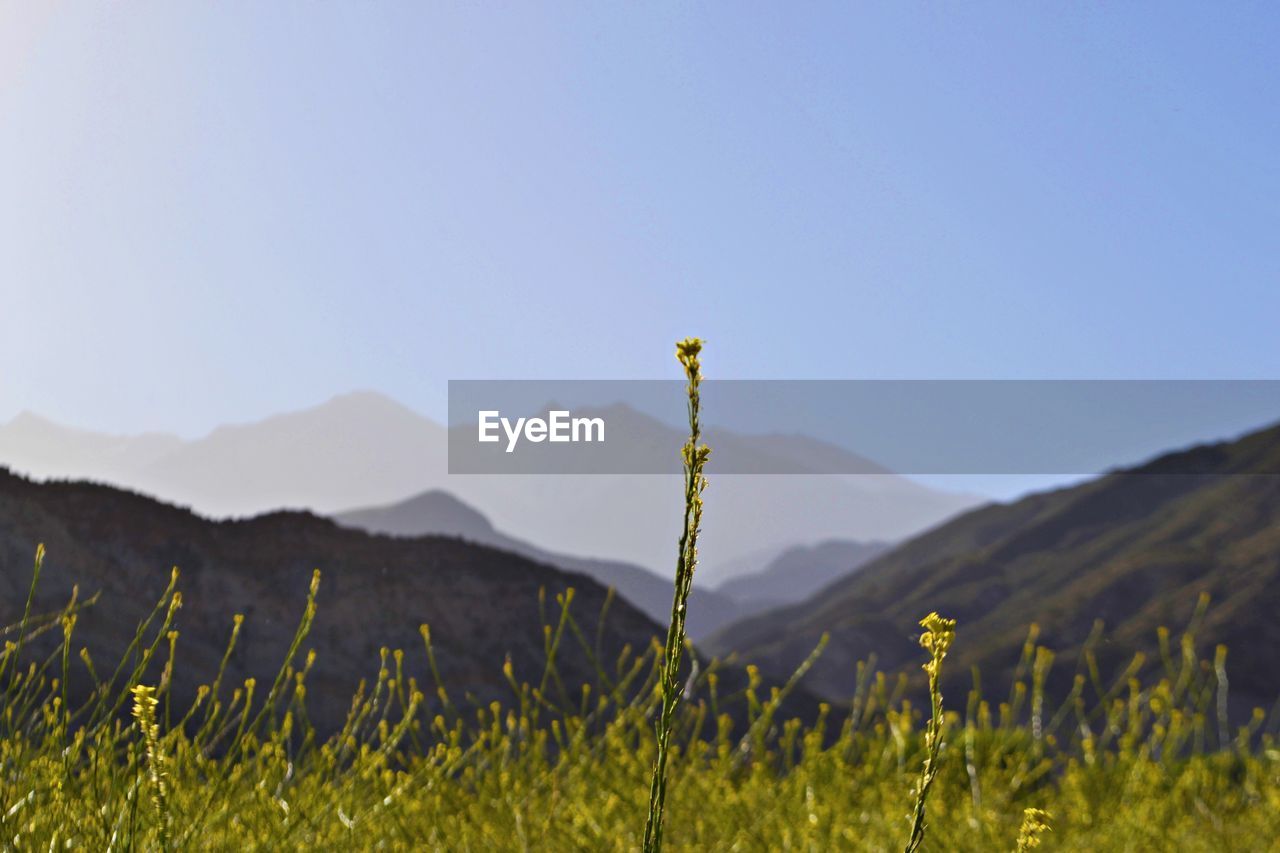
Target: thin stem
695 455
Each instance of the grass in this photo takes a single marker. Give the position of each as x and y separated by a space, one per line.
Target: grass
1118 765
1139 767
1140 770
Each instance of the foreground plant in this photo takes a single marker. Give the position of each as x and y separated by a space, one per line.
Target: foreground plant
144 712
1035 822
695 455
936 640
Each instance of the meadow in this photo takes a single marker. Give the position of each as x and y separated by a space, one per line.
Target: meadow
657 751
1117 766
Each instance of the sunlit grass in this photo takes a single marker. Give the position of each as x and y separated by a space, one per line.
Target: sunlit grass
1141 766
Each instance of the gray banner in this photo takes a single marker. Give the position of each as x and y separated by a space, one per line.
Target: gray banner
914 427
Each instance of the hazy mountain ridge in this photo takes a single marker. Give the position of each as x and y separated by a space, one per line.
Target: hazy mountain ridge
354 448
1134 548
440 513
60 451
799 572
364 449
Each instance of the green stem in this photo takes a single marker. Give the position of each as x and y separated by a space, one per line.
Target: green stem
695 456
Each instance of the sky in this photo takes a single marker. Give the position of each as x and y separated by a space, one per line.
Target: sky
215 212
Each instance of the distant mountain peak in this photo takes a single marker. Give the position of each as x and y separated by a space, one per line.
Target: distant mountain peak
27 417
437 512
352 405
434 511
363 397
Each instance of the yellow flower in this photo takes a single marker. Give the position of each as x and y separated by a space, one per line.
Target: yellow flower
1035 822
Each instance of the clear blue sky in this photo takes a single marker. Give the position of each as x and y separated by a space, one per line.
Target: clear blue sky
213 212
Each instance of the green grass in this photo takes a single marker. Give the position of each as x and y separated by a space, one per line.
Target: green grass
1138 768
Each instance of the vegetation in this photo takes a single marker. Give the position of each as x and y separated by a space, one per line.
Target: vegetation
938 635
110 759
1144 766
694 455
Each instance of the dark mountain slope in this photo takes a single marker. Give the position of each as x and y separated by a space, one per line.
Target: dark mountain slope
440 513
1134 548
482 604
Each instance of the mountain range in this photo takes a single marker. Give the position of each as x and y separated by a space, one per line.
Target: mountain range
797 573
440 513
482 604
1135 549
364 450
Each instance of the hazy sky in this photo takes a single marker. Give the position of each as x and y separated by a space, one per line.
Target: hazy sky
217 211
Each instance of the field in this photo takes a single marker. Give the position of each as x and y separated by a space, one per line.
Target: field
1118 766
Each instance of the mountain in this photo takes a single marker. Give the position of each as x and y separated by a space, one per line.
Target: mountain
364 449
1134 548
482 603
438 512
797 573
356 448
631 516
54 450
434 512
717 572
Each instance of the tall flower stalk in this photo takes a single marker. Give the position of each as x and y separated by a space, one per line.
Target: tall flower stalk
936 640
695 454
144 711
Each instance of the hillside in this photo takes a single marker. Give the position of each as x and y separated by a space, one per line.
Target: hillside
1134 548
482 604
439 513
